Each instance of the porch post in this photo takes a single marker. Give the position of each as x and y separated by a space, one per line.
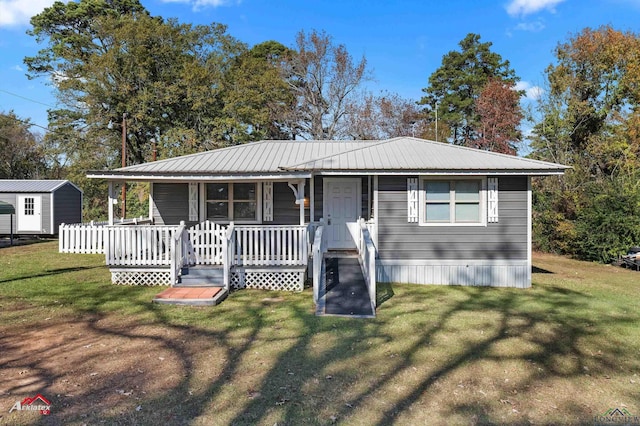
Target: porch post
312 215
374 207
151 200
111 202
300 200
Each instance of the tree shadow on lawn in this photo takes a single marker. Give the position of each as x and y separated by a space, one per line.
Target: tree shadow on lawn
50 272
320 370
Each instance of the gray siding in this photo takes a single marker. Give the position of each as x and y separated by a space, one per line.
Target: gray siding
67 207
170 203
285 209
505 240
492 273
5 219
47 212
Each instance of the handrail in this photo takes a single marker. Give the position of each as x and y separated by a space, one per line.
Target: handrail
228 250
178 252
367 253
317 250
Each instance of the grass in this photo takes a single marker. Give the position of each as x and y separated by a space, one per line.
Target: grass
561 352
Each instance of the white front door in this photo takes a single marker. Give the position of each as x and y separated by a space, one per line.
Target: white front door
29 213
341 209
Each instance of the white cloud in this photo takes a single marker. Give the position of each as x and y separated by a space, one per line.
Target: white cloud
533 27
531 93
527 7
17 68
201 4
18 12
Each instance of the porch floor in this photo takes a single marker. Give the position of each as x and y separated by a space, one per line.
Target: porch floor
195 296
346 291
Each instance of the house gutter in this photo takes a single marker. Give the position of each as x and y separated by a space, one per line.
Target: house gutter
115 176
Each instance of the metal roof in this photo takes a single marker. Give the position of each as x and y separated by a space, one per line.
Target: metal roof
6 208
420 154
15 185
277 158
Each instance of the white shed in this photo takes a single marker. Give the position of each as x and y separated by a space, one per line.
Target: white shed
40 205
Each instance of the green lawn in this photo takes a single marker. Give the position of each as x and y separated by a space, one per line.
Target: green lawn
563 351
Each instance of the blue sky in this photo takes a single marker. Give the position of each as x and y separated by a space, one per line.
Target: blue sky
403 41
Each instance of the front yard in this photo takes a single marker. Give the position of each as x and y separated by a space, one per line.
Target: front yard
562 352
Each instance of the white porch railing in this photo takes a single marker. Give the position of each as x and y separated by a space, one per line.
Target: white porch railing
317 253
88 238
82 238
270 245
206 240
144 247
367 253
139 245
179 251
228 250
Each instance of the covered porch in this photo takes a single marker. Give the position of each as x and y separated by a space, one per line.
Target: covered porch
273 257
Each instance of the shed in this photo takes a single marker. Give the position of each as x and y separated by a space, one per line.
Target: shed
40 206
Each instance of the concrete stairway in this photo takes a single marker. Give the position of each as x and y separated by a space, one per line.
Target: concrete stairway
201 276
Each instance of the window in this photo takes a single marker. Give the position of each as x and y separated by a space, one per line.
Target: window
453 202
232 201
29 206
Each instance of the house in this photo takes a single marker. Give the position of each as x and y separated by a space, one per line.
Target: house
40 206
416 211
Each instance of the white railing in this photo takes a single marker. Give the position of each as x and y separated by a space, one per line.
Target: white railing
228 250
82 238
179 252
373 231
139 245
317 253
367 253
271 245
207 243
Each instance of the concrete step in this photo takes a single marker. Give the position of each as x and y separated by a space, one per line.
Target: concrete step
201 276
208 296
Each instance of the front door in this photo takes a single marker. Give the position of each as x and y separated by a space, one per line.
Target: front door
341 209
29 213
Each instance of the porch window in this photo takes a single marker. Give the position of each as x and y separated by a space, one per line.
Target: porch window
232 201
457 201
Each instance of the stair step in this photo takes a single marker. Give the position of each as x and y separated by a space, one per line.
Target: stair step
200 284
201 276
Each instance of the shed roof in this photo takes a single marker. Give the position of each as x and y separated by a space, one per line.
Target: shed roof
6 208
17 185
304 158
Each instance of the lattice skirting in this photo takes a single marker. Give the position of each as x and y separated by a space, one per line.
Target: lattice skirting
141 277
269 279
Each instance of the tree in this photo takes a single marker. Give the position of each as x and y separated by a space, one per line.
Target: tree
590 120
111 58
381 117
258 101
455 87
499 114
324 79
21 156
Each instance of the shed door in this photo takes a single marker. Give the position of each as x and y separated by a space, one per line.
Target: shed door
29 213
341 209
